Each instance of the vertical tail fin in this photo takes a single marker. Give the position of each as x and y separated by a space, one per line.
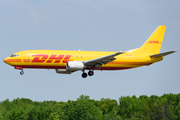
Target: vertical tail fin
154 42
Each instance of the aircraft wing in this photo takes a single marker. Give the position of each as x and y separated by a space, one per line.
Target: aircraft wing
102 60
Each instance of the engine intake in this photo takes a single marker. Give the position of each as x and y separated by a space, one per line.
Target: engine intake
75 65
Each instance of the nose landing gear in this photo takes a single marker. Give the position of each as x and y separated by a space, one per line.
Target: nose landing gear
22 72
19 68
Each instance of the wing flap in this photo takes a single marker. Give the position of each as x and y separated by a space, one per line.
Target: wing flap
162 54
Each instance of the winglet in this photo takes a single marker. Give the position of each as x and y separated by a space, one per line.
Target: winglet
162 54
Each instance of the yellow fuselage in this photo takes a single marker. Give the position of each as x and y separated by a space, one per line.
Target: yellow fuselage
57 59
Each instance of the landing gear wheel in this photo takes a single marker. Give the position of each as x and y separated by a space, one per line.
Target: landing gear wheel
22 72
84 75
90 73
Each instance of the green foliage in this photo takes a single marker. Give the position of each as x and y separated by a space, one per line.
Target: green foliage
110 116
165 107
129 106
81 109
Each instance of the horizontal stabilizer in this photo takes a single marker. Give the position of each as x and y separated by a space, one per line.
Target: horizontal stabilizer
162 54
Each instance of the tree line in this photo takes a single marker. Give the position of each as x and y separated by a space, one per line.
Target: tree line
165 107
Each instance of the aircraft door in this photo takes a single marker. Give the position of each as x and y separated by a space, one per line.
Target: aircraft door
28 56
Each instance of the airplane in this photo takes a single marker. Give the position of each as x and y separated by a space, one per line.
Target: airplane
67 62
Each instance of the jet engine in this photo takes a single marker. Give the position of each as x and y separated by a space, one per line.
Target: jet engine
75 65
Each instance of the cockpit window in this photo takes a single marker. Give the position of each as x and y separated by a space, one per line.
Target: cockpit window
14 55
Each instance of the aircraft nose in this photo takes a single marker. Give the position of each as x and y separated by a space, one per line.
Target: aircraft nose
5 60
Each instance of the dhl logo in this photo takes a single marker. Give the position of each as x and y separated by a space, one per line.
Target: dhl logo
40 58
156 42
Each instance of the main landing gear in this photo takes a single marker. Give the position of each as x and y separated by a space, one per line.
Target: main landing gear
90 73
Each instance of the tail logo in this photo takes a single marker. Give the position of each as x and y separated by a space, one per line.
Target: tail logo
154 42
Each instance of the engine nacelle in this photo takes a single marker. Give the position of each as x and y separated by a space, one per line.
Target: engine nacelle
75 65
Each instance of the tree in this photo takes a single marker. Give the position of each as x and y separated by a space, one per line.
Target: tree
162 110
128 107
81 109
145 108
154 107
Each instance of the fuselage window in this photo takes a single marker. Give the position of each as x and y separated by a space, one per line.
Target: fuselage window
16 55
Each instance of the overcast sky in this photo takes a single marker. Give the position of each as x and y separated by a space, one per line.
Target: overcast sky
90 25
